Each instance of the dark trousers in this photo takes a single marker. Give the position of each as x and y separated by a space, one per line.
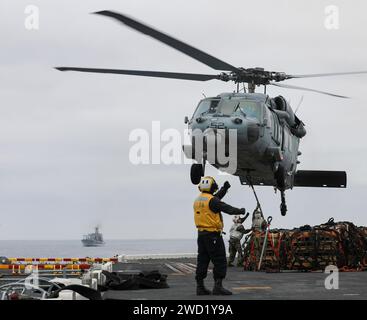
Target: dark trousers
235 248
211 248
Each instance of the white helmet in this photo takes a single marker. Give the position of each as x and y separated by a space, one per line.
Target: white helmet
236 219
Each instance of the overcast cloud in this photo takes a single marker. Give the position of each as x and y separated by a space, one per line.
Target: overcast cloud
64 146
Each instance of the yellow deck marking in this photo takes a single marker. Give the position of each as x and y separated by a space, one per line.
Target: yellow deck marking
251 288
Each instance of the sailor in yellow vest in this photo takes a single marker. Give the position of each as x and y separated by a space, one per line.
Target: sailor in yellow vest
209 222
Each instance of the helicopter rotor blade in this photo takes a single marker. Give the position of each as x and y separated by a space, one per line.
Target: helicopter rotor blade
287 86
194 53
156 74
316 75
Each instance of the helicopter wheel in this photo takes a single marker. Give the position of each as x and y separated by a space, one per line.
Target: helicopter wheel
283 209
197 171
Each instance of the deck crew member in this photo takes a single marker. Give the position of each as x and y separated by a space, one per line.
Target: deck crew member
235 236
209 222
258 220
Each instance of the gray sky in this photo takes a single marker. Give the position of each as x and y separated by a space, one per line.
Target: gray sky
64 163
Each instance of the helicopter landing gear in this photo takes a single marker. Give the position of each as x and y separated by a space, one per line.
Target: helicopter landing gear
281 183
283 205
197 171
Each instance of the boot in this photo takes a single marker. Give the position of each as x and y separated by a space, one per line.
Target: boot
218 289
200 289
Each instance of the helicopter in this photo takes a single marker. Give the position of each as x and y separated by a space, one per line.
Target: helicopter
268 130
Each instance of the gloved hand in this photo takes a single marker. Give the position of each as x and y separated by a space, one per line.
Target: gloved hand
243 219
242 211
226 185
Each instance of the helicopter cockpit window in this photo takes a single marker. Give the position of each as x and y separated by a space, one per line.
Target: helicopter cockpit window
227 107
207 106
250 108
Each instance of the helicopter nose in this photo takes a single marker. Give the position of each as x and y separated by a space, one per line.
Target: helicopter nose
213 132
246 131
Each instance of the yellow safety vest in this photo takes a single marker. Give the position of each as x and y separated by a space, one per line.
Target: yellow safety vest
206 219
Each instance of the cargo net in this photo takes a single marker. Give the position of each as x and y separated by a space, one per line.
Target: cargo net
307 248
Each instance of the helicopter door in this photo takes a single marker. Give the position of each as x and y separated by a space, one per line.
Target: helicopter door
276 130
285 140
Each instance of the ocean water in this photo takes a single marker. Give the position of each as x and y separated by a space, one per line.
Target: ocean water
74 248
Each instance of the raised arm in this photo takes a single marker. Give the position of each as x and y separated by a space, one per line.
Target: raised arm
217 205
222 192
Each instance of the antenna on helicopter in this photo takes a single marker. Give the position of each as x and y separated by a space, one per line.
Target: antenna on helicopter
204 95
299 104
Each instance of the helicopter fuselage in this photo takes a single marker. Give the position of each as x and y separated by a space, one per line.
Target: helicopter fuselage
267 141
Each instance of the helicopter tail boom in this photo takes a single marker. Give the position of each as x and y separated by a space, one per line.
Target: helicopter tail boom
322 179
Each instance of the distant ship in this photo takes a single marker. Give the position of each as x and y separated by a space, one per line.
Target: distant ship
93 239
